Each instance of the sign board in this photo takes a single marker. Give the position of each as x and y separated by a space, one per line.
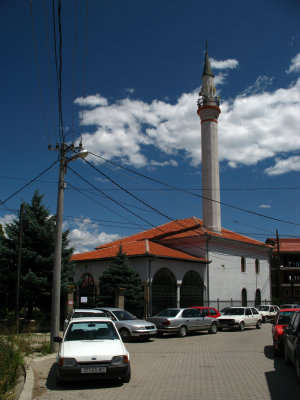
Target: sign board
70 302
83 299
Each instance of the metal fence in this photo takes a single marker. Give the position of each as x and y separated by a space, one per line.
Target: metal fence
220 304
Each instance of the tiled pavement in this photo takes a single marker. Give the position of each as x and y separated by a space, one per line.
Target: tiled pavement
226 366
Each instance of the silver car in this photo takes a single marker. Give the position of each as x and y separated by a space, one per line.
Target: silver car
182 321
128 325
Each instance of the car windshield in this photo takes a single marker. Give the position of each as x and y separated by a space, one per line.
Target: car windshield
123 315
91 330
81 314
234 311
168 313
284 317
263 308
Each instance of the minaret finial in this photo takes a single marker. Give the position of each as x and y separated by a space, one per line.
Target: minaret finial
207 68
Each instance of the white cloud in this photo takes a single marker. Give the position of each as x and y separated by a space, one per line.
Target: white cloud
92 101
264 206
282 166
85 236
254 126
230 63
7 219
295 65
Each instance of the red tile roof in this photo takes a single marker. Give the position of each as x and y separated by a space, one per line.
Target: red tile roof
134 249
146 243
286 245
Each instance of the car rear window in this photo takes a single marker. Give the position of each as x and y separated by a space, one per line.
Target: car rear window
81 314
91 330
168 313
234 311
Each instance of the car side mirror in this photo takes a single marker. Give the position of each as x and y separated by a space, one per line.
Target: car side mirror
57 339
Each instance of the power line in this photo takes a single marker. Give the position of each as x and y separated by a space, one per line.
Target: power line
197 195
29 183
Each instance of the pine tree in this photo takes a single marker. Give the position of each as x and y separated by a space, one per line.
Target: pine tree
121 274
38 240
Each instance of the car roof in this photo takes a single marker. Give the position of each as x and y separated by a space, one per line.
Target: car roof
86 310
290 309
111 309
90 319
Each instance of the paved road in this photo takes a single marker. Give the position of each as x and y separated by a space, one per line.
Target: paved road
226 366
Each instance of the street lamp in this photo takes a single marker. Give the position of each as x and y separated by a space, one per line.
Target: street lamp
56 282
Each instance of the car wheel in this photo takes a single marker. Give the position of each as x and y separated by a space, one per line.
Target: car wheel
298 369
258 324
160 334
286 357
276 351
182 331
213 328
126 378
241 326
264 320
125 334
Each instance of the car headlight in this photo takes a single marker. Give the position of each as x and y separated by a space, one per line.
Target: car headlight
119 360
67 362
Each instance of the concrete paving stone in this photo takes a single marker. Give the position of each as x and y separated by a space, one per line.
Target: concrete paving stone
226 366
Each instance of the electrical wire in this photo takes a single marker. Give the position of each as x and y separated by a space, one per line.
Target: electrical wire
197 195
29 183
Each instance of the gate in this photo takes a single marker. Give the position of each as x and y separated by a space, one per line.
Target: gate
164 289
191 291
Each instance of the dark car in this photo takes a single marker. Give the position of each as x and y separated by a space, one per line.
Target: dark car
182 321
292 343
289 306
208 311
282 321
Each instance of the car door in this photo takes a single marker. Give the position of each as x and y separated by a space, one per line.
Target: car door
256 315
292 333
248 317
191 318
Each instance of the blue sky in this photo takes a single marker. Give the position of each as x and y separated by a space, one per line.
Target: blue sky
129 90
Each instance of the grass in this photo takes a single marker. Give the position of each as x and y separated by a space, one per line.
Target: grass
13 350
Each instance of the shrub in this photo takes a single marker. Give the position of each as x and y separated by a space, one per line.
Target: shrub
11 365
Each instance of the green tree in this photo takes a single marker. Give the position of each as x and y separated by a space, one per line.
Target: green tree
121 274
38 240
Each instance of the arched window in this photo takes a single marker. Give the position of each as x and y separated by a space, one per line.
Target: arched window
257 297
243 264
244 297
257 266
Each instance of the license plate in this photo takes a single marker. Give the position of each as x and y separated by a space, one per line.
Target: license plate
93 370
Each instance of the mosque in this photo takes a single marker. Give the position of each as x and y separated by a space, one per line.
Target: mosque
190 261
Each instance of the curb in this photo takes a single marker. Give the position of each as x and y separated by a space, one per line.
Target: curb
27 390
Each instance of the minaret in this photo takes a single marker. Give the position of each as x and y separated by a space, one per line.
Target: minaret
209 111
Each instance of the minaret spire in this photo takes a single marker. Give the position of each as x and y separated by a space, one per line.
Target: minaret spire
209 111
207 68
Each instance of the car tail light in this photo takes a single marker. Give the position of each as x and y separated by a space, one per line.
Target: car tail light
167 322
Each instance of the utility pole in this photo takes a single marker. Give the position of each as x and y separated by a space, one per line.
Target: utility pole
19 266
63 150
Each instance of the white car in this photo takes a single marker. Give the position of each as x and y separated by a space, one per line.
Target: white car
268 312
92 348
82 312
240 318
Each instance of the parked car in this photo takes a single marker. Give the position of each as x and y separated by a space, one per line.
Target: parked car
289 306
240 318
182 321
208 311
282 321
83 312
292 343
91 348
223 310
268 312
128 325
